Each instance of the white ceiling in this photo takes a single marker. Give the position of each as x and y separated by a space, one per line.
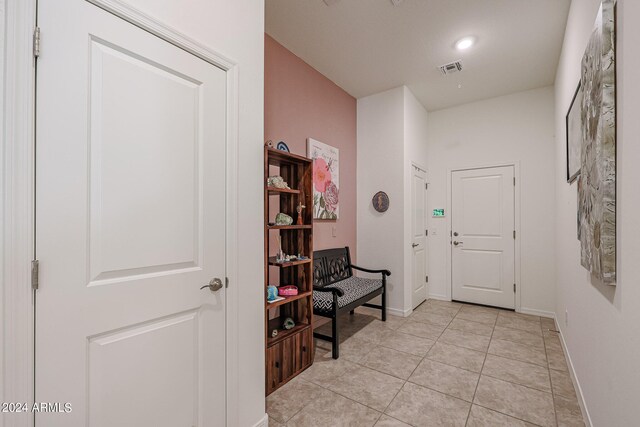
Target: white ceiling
368 46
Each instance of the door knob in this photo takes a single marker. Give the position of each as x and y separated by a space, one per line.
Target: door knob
455 233
413 245
456 243
214 285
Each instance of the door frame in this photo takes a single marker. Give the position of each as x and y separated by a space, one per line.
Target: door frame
17 178
416 165
517 251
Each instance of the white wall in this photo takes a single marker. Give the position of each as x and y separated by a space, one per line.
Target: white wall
512 128
601 332
380 156
236 30
391 135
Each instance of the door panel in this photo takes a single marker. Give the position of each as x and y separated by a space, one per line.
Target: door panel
483 251
418 236
130 224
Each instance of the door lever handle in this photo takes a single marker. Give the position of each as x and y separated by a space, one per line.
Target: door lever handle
214 285
413 245
456 243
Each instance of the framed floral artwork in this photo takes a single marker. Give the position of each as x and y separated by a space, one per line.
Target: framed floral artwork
326 180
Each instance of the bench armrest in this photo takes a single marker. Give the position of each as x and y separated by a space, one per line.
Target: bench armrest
335 291
367 270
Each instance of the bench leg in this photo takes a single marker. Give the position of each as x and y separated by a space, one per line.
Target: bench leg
384 306
335 338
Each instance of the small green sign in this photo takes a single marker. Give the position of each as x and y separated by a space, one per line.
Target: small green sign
438 212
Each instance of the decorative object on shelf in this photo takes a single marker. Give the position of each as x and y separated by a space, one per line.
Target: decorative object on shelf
272 293
438 213
299 210
269 144
274 333
276 181
597 180
282 146
288 323
326 179
280 255
574 135
380 201
288 291
283 219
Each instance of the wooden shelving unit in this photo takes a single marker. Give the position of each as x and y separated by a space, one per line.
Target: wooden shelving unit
290 351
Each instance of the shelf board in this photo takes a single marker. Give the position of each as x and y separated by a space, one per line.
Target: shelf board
272 261
274 190
277 157
288 299
283 333
289 227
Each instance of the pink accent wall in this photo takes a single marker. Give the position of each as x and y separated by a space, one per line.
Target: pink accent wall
301 103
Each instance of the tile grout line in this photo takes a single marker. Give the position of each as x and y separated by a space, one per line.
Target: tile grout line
473 398
553 395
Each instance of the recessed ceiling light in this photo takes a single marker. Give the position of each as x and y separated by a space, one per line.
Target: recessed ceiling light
465 43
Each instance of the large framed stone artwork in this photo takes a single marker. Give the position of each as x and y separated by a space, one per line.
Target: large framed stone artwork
597 179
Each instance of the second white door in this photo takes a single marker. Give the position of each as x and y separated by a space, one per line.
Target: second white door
483 236
418 236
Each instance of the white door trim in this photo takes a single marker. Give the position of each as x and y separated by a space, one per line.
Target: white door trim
516 170
17 207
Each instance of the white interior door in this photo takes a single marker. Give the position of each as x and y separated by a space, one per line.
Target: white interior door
130 224
483 233
418 236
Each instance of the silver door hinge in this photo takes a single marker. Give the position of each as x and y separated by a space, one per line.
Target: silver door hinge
36 42
426 186
426 232
427 279
35 270
514 234
514 287
226 282
514 181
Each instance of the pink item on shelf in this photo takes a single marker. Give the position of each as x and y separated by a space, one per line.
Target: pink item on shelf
288 291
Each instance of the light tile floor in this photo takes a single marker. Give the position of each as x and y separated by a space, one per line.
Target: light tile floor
448 364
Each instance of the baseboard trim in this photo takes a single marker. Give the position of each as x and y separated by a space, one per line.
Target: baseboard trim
439 297
536 312
398 312
574 378
264 422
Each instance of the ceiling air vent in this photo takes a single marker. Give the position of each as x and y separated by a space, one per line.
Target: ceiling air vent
452 67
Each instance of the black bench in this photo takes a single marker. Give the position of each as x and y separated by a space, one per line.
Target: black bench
336 290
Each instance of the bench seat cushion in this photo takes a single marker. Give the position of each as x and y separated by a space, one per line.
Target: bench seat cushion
353 287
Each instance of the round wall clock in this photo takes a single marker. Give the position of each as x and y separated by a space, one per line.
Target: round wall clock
380 201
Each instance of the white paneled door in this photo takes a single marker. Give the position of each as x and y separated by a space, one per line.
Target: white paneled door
483 236
130 224
418 236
